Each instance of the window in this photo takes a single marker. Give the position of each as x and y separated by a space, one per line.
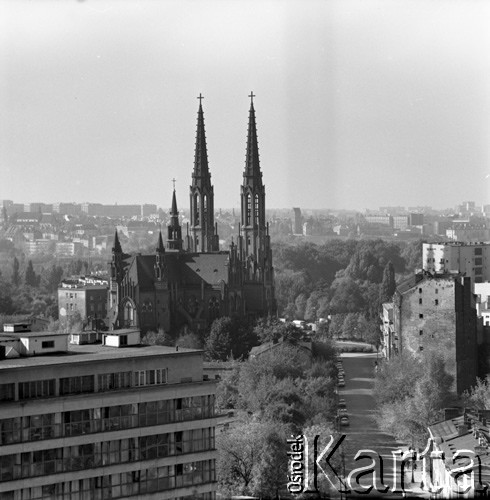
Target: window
421 316
257 212
478 270
150 377
249 210
420 290
7 392
437 290
111 381
420 301
196 210
436 302
123 340
77 385
478 251
47 344
478 261
36 389
421 348
421 332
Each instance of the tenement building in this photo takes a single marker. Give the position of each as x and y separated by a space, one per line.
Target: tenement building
436 314
117 420
189 281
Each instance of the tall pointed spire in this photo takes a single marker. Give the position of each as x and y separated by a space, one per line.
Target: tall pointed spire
117 245
174 230
174 212
201 169
252 162
160 247
203 237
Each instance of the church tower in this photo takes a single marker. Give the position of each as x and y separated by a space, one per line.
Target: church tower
174 230
254 230
203 235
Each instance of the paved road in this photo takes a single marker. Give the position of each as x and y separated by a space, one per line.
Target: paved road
363 432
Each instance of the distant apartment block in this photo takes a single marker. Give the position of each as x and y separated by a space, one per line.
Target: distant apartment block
100 421
38 207
67 208
97 209
415 219
147 210
298 221
400 222
383 219
67 248
437 314
37 246
470 259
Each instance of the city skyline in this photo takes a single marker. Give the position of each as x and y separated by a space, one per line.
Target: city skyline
358 104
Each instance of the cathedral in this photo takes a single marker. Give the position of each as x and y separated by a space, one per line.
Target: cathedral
190 281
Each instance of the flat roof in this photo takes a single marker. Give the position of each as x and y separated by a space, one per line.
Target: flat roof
94 353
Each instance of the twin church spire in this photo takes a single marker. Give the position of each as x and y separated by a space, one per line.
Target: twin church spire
202 230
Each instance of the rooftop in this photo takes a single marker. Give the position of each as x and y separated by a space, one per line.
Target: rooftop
94 353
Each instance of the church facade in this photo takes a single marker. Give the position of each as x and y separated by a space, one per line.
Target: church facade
190 281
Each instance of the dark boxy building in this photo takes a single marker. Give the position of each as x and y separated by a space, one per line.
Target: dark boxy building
190 281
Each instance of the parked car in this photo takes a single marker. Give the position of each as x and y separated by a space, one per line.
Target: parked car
344 421
341 383
343 411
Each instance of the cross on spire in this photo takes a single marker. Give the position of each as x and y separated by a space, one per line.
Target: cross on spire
252 95
173 180
200 98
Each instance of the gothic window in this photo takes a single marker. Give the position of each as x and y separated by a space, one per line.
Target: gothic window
147 306
256 209
205 207
249 210
129 315
196 210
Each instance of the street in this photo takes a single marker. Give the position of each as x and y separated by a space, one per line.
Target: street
363 432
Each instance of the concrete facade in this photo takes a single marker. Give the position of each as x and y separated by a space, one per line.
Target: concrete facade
99 422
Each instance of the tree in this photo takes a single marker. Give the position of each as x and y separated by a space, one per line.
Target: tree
347 296
219 343
411 396
189 340
157 338
388 285
53 278
251 459
479 395
272 330
349 327
31 278
15 272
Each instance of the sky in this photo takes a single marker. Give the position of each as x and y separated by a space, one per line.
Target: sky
359 104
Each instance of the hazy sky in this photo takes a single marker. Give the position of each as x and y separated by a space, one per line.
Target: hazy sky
359 103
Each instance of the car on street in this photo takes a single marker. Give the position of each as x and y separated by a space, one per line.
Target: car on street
344 421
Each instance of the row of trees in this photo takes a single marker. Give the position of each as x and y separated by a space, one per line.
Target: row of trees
339 277
411 394
281 392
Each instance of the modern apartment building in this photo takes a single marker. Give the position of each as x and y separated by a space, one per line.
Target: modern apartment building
99 422
470 259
